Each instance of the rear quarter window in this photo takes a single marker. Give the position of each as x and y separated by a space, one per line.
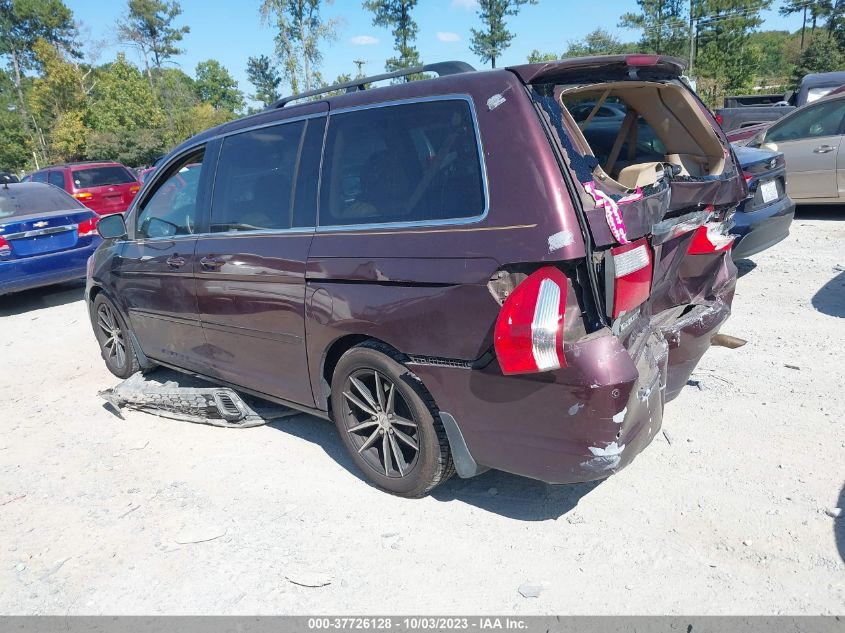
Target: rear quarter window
416 162
101 176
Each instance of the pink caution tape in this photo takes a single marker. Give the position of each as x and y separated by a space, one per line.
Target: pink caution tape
612 214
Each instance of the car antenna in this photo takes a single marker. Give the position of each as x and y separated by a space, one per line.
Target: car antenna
6 181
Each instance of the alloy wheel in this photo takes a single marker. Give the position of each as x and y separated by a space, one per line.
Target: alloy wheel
113 342
380 423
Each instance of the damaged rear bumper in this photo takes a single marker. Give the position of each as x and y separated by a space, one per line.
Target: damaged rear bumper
586 421
581 423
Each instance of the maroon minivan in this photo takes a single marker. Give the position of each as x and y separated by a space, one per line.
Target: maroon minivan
454 270
102 187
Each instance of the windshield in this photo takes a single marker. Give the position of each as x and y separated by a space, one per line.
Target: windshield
27 199
814 94
101 176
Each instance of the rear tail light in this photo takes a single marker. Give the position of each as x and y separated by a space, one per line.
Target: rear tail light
748 177
720 119
709 239
82 195
5 249
632 270
87 227
529 330
134 188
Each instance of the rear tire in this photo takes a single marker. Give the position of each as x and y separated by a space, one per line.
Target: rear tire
396 437
113 337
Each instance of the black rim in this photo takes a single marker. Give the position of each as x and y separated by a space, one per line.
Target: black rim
111 338
380 423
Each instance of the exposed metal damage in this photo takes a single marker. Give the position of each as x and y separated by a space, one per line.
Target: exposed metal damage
215 406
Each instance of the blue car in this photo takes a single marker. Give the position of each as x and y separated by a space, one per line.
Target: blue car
764 218
46 236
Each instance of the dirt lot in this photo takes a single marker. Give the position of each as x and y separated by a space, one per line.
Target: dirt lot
723 515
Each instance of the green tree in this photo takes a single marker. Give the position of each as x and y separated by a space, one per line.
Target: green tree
148 25
122 100
264 76
57 102
22 24
15 148
130 147
664 25
724 32
807 8
774 47
396 15
494 38
216 86
536 56
821 55
598 42
300 33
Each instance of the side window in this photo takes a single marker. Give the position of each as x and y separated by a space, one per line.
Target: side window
56 178
253 185
823 119
403 163
171 210
39 176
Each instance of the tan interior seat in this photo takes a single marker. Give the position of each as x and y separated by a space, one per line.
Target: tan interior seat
640 175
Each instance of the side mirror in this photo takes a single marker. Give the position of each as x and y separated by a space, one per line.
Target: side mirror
111 227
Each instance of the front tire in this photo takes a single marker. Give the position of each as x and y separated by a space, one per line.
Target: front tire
113 338
388 422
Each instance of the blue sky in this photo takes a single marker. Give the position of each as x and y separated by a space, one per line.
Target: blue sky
232 31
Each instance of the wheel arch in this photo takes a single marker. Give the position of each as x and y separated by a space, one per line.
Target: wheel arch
330 358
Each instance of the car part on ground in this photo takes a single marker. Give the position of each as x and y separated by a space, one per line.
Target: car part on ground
531 289
215 406
46 237
764 218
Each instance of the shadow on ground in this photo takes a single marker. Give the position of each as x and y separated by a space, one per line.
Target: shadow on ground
494 491
744 266
830 299
497 492
38 298
820 212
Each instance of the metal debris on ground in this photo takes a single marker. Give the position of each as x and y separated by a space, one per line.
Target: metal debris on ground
217 406
726 340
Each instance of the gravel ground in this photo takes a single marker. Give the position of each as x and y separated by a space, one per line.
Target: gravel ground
724 514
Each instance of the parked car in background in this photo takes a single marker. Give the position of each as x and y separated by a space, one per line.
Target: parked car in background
751 110
144 174
7 176
744 134
101 186
810 139
447 268
764 218
46 236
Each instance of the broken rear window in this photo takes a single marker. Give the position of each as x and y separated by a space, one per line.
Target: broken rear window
627 131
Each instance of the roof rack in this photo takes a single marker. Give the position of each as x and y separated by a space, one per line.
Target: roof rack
360 83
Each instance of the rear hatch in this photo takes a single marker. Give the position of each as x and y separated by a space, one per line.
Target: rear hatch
104 188
658 185
39 220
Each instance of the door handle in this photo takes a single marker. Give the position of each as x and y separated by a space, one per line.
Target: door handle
174 261
823 149
212 263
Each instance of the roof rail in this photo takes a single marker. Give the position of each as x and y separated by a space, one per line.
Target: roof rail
360 83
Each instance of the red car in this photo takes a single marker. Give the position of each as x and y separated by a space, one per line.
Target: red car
102 187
